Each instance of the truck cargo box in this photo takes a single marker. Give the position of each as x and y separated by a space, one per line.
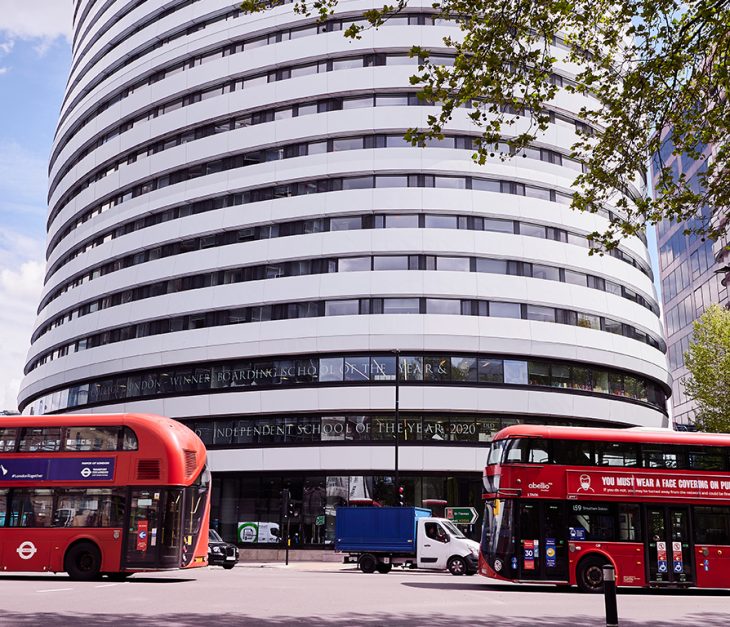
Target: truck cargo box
377 529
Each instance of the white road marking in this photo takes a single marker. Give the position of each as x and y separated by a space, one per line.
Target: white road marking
107 585
55 590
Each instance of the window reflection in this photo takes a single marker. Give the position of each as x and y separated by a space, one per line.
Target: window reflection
430 369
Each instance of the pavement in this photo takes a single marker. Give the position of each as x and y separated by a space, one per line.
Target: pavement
305 594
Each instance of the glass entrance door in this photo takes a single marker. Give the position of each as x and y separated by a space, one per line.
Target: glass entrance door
669 545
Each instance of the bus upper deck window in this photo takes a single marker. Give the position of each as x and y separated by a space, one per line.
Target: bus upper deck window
616 454
495 452
8 437
91 438
129 440
527 451
40 439
515 451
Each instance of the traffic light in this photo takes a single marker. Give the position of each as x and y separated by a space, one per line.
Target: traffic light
286 504
401 495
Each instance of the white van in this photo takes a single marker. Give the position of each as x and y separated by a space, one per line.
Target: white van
258 532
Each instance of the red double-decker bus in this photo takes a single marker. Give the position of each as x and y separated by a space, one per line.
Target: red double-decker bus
562 502
101 494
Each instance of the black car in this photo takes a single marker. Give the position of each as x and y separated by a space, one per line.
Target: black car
220 552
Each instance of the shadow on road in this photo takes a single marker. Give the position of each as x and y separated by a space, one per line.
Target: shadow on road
706 619
60 578
495 587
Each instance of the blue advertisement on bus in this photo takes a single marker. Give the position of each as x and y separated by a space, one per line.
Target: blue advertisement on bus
49 469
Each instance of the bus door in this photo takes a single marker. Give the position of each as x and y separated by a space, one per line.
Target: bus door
542 550
669 545
154 526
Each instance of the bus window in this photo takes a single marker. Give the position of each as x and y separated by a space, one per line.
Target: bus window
31 508
707 458
538 452
129 440
527 451
91 438
661 456
616 454
573 453
495 452
3 506
36 439
592 521
516 451
8 437
94 507
629 529
712 525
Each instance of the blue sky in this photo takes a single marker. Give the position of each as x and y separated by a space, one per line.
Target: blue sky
34 60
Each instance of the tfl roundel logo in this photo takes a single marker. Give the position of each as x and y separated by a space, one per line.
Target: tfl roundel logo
26 550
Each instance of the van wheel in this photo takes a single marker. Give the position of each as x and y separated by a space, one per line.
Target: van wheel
83 562
384 569
367 563
457 566
589 574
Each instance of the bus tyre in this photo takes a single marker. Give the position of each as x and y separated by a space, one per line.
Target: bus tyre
83 561
367 563
457 566
589 574
384 569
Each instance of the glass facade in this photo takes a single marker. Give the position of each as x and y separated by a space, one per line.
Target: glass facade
689 280
420 429
242 502
368 369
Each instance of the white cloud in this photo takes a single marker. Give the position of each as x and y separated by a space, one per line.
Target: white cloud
21 281
6 47
36 19
4 70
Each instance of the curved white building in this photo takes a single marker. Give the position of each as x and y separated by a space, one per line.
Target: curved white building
239 237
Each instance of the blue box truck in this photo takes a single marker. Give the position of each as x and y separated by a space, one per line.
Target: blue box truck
378 538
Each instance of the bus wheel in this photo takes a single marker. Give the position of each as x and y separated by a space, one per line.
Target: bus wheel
457 566
589 574
384 569
367 563
83 561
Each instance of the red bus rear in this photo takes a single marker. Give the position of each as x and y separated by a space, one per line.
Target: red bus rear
561 502
101 494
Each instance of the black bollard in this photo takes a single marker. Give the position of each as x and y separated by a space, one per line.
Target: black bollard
609 594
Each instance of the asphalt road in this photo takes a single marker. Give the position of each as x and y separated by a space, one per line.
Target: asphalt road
306 594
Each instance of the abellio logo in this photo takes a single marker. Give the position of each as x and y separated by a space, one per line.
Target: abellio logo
543 486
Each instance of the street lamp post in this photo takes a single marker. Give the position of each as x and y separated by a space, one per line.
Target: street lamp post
397 424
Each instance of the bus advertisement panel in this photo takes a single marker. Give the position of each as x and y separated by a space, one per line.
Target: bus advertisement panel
561 502
106 494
